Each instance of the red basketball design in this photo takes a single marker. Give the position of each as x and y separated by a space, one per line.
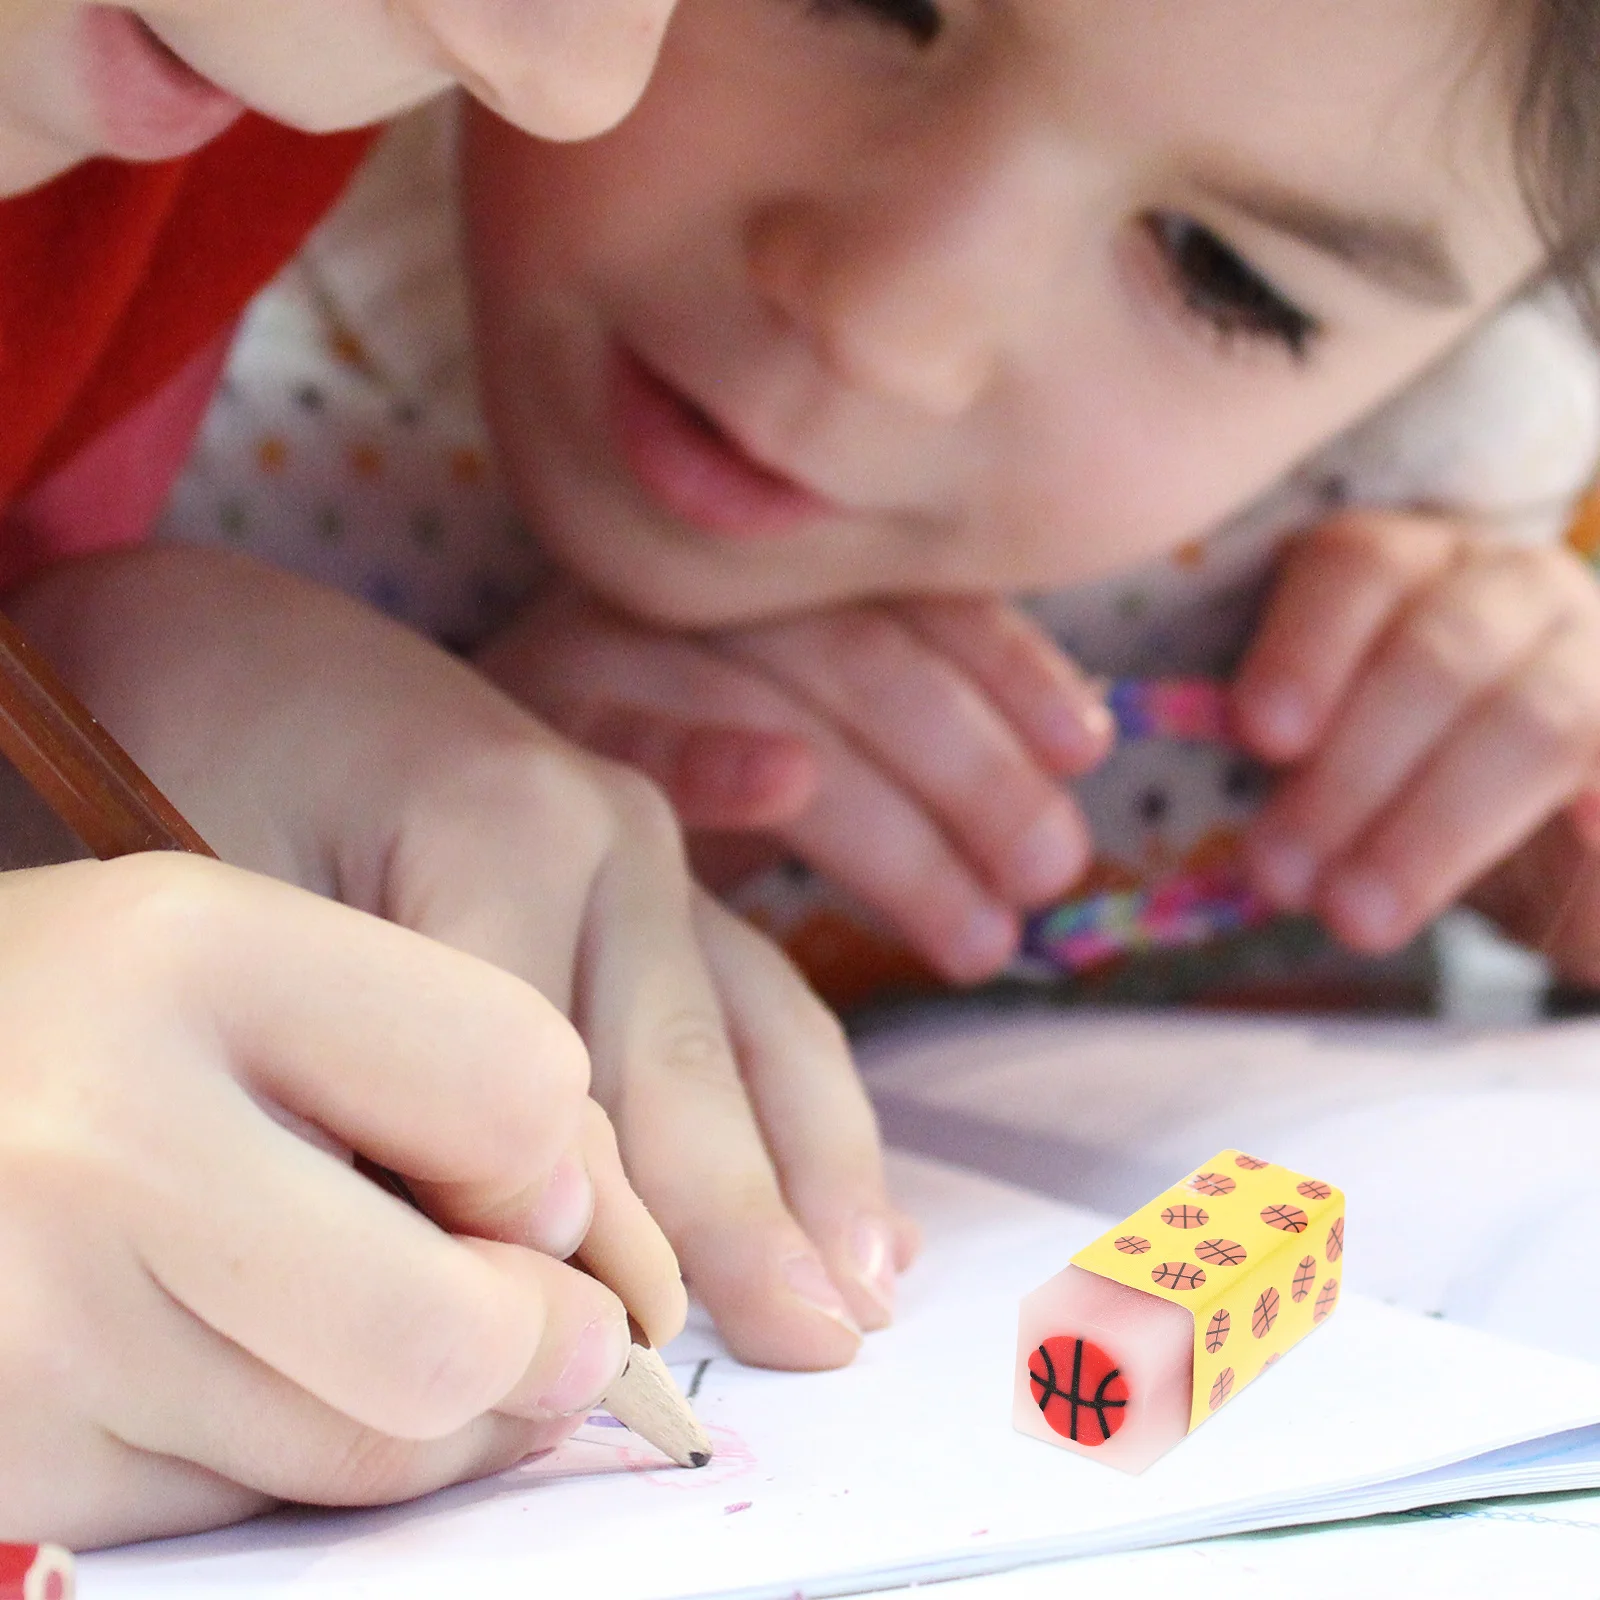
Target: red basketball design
1177 1275
1336 1240
1311 1189
1185 1217
1079 1389
1130 1244
1305 1275
1222 1388
1265 1313
1211 1183
1217 1331
1327 1299
1272 1360
1291 1219
1249 1163
1221 1252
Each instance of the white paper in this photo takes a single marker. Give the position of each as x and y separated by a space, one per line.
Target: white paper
1497 1132
905 1465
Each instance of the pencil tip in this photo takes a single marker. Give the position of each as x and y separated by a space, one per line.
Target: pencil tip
698 1458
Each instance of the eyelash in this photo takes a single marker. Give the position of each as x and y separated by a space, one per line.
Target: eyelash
920 19
1222 289
1216 283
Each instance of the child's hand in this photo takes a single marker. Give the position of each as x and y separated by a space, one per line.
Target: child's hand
340 751
1548 893
206 1308
1436 699
911 752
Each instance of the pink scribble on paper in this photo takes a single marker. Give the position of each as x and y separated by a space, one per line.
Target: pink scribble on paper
738 1505
731 1458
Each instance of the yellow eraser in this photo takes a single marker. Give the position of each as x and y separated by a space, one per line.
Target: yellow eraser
1251 1253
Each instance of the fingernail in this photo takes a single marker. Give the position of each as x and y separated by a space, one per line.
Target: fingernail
595 1364
873 1248
985 944
1279 715
809 1280
1285 869
565 1209
1081 733
1364 907
1048 856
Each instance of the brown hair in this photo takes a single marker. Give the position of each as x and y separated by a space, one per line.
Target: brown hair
1558 141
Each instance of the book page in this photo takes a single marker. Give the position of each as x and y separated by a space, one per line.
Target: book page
904 1465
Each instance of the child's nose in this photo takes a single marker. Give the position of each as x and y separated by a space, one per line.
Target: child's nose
559 69
916 285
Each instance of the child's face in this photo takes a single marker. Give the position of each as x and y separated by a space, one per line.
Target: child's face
81 80
885 296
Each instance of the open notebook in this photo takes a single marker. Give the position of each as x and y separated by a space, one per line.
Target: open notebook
904 1467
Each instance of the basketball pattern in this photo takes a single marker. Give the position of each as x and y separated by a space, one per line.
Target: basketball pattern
1221 1388
1265 1313
1078 1388
1305 1275
1262 1252
1327 1299
1291 1219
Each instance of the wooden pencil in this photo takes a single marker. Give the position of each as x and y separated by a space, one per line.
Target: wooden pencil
647 1399
35 1572
102 795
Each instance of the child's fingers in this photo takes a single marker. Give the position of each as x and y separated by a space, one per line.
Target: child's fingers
1339 590
260 1430
720 739
429 1061
1547 895
1060 714
864 834
624 1248
915 715
1510 763
666 1068
811 1105
716 777
1584 814
356 1298
1462 635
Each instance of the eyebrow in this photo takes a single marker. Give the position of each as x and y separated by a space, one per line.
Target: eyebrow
1408 258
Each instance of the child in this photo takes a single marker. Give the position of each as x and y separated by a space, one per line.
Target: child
880 309
206 1309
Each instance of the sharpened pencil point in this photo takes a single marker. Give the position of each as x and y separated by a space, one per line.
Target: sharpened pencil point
646 1399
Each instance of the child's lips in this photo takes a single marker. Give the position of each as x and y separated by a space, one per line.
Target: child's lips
695 470
152 106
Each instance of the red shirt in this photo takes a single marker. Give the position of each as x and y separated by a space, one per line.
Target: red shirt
115 277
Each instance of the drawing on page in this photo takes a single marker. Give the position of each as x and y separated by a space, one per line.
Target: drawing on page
603 1445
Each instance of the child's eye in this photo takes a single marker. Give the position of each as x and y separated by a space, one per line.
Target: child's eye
921 19
1224 290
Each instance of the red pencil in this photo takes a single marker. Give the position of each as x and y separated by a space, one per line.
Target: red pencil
35 1572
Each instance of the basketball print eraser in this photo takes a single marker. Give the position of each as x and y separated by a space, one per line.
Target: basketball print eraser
35 1572
1165 1318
